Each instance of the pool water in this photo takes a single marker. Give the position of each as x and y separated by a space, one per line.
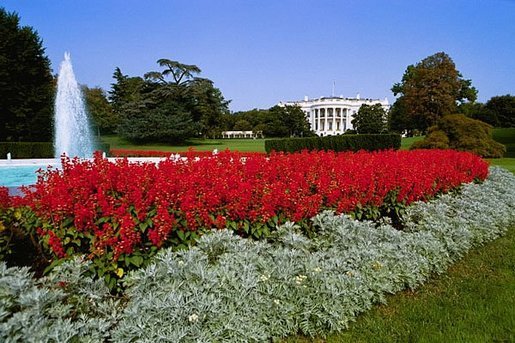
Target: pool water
17 176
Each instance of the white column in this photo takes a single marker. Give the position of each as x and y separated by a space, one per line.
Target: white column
319 120
334 119
326 123
349 119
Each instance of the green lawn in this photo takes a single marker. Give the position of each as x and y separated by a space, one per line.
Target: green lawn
507 163
407 141
473 302
209 144
198 144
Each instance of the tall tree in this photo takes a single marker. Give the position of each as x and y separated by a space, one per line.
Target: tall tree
158 116
105 120
504 108
26 83
479 111
286 121
191 105
207 105
181 73
124 90
370 119
431 89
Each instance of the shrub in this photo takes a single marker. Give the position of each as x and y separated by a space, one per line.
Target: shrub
27 149
458 132
66 306
242 291
120 214
34 149
369 142
233 289
436 139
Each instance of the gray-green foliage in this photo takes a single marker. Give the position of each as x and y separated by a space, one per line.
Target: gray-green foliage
67 306
232 289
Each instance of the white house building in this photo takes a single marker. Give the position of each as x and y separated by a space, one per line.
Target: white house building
333 115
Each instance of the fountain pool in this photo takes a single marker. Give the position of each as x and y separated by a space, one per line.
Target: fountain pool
18 173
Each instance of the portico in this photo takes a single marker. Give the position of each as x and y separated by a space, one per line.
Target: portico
332 115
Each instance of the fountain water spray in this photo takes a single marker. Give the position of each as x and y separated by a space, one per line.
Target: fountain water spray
72 131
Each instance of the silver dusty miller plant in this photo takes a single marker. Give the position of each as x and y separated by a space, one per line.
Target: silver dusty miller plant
67 306
230 289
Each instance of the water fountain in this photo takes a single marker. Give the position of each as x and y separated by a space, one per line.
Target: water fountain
72 129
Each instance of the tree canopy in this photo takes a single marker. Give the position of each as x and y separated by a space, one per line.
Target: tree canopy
429 90
456 131
370 119
104 119
503 107
277 121
152 109
26 83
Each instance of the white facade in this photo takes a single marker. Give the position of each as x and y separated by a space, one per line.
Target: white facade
330 116
242 134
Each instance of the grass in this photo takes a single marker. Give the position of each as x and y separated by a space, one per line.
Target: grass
506 163
198 144
473 302
210 144
407 141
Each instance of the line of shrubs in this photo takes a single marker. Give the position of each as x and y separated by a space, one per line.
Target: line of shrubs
34 149
369 142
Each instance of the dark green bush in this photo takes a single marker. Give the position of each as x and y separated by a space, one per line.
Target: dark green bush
456 131
505 136
435 139
104 147
35 149
27 149
369 142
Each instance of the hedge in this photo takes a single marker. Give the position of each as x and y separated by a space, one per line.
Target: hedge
33 149
369 142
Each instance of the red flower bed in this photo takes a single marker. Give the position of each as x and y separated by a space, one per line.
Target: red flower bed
5 201
116 210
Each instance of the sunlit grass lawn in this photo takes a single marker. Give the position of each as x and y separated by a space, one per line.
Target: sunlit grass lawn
258 145
407 141
507 163
473 302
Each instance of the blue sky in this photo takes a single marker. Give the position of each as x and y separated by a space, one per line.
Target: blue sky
261 52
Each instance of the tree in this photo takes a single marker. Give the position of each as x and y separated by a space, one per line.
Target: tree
370 119
156 117
207 106
192 104
456 131
104 119
125 90
286 121
26 83
242 125
503 107
431 89
479 111
181 73
296 121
